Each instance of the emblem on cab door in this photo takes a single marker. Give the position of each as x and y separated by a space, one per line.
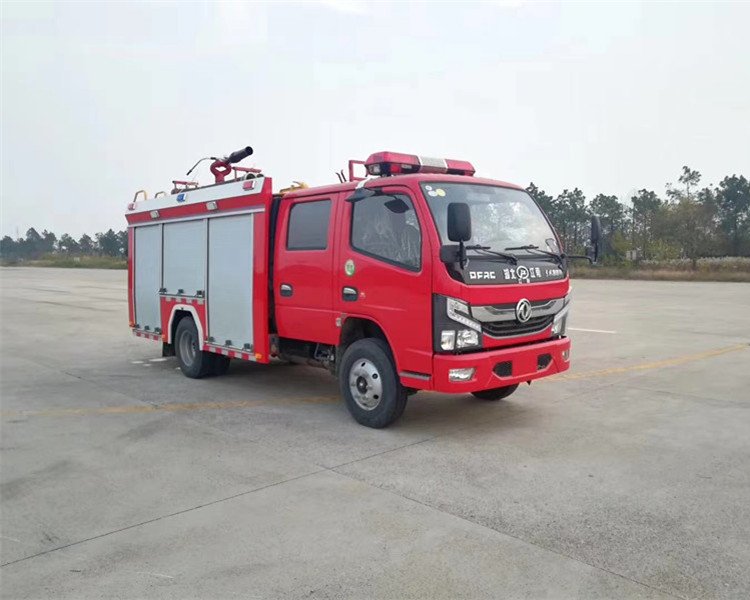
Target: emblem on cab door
523 310
349 267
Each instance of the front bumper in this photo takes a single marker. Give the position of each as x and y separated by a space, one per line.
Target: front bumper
492 369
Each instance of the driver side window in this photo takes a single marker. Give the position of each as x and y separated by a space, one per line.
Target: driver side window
387 228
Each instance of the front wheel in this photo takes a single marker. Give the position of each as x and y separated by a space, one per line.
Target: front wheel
370 385
495 393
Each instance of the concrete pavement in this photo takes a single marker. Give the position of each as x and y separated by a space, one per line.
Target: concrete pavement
627 478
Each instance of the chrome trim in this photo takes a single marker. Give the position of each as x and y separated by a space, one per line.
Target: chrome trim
494 313
518 335
414 375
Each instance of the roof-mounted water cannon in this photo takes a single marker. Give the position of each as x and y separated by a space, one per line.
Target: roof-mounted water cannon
383 164
221 167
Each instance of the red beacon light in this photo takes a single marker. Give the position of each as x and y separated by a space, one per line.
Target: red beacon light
394 163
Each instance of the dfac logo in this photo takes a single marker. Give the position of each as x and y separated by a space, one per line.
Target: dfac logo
482 275
523 274
523 310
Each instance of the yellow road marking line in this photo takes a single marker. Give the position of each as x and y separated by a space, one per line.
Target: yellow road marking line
659 364
223 404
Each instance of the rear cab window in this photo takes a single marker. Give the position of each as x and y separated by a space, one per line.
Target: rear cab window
308 225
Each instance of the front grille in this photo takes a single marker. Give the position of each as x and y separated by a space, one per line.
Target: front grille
514 328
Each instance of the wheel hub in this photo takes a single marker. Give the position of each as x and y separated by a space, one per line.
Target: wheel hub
188 348
365 384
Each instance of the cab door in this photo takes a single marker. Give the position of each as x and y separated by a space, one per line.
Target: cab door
303 276
383 273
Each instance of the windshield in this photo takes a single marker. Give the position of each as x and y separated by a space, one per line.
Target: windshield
500 217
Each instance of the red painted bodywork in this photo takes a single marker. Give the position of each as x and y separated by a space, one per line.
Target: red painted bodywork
308 313
261 236
131 277
397 300
167 305
524 366
220 170
191 210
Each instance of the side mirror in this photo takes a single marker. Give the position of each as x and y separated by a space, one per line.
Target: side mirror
459 222
596 239
596 230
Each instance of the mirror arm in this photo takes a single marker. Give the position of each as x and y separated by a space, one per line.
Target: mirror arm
582 256
461 254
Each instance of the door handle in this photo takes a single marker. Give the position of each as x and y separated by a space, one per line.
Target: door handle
349 294
286 290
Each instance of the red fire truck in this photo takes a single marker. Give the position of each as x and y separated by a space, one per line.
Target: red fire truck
419 276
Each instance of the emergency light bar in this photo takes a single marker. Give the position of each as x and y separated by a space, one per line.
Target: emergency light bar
393 163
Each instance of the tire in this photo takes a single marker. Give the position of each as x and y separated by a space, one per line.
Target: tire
495 393
369 384
220 364
193 362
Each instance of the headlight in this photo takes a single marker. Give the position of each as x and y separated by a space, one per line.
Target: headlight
447 339
458 311
559 325
453 328
467 338
560 322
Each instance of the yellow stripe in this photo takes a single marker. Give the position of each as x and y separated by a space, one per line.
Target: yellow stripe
661 364
183 407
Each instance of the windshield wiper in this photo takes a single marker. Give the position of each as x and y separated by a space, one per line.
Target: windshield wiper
560 258
488 252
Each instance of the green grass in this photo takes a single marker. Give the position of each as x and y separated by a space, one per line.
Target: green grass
72 262
656 274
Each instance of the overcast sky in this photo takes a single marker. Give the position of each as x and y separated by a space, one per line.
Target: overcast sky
100 100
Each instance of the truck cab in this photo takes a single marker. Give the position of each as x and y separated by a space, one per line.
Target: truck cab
374 264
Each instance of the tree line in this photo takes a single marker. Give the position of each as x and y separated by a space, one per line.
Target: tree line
688 221
36 245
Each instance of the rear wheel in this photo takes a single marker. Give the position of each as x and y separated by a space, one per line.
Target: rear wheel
193 362
495 393
220 364
370 385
